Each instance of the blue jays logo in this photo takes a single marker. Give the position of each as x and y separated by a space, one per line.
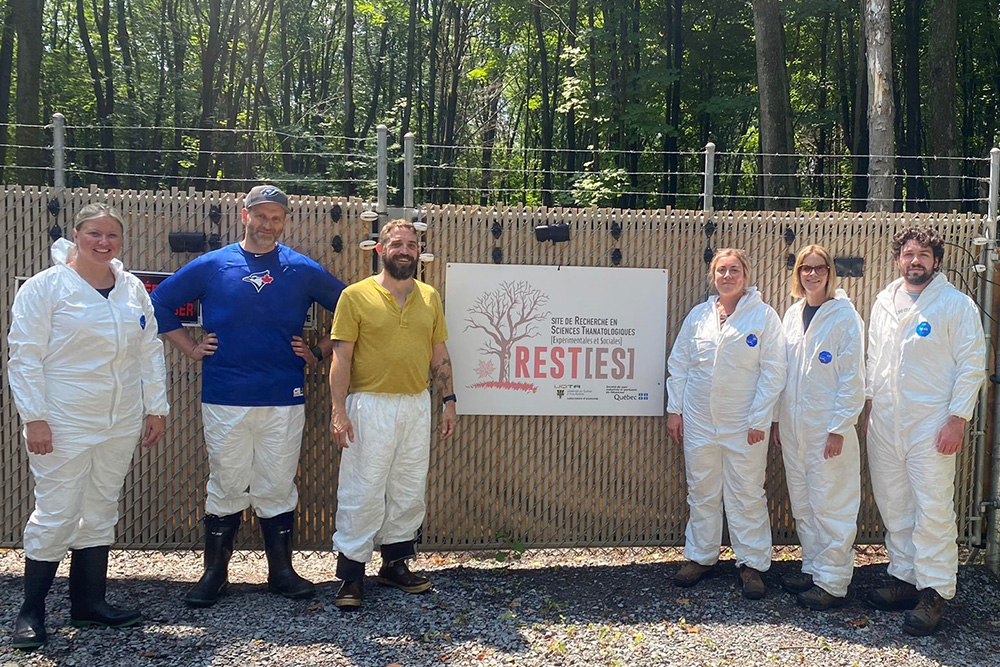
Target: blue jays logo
825 357
752 340
259 279
924 329
142 322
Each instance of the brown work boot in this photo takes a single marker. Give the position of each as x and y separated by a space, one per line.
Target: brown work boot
819 600
926 617
349 595
897 596
800 582
751 583
397 575
692 573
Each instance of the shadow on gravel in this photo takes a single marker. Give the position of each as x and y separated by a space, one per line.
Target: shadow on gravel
507 614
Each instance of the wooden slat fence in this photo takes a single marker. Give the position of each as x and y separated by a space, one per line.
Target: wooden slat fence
547 481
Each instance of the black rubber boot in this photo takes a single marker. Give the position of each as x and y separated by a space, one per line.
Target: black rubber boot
394 571
352 584
220 536
29 626
281 578
88 585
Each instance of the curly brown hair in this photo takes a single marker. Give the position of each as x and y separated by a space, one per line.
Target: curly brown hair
925 236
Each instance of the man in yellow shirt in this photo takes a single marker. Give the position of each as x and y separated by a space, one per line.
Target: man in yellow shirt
388 334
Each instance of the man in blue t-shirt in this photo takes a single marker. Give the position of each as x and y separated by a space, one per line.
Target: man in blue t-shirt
254 296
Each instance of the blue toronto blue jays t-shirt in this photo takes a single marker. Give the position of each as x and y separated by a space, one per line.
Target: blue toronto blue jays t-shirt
254 304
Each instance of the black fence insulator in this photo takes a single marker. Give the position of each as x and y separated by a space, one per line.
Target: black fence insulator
55 233
336 212
789 235
337 244
496 230
616 231
849 267
215 213
214 241
710 229
709 254
54 206
616 256
497 255
790 261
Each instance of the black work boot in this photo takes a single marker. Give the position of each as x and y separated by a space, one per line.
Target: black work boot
926 616
797 582
220 536
352 584
88 585
29 626
281 578
897 596
394 571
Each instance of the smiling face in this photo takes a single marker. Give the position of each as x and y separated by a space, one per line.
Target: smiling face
263 224
916 264
814 275
98 241
400 253
730 279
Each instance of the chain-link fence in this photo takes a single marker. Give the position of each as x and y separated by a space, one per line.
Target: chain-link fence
504 482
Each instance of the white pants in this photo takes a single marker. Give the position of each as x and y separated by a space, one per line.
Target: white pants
915 491
721 468
77 487
253 454
825 496
383 473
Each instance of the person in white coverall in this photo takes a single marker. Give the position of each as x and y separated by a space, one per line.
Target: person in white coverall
87 375
823 397
388 334
726 368
926 360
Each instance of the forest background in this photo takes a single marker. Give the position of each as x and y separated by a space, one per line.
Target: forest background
818 104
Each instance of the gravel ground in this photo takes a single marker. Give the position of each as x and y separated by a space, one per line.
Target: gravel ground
593 607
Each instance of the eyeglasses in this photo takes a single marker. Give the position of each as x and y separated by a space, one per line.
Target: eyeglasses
820 270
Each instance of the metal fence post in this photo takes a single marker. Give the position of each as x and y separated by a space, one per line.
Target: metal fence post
993 525
382 169
59 150
409 144
709 176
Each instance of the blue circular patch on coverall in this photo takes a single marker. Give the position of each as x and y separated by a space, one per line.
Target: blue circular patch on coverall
752 340
924 329
825 357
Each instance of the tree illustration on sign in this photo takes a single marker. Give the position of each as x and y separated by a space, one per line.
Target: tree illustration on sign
507 315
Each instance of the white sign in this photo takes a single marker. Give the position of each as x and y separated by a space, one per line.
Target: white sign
546 340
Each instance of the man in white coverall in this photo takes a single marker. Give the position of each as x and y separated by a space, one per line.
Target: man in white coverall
388 331
926 359
818 410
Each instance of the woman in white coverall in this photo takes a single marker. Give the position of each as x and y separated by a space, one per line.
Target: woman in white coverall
727 368
824 394
88 378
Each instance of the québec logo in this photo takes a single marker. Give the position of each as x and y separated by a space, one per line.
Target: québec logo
259 279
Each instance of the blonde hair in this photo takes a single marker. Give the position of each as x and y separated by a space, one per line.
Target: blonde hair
831 271
739 254
95 211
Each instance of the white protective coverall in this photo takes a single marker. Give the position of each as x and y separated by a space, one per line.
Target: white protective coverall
923 367
824 393
724 381
91 368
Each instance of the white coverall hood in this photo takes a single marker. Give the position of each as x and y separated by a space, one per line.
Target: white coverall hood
824 394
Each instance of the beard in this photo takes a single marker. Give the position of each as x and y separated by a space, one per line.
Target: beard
918 280
399 271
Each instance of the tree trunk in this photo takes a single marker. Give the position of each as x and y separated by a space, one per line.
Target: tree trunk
29 136
777 143
915 194
6 73
547 124
943 62
881 110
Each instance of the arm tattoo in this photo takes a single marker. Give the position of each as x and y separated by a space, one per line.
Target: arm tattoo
442 376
